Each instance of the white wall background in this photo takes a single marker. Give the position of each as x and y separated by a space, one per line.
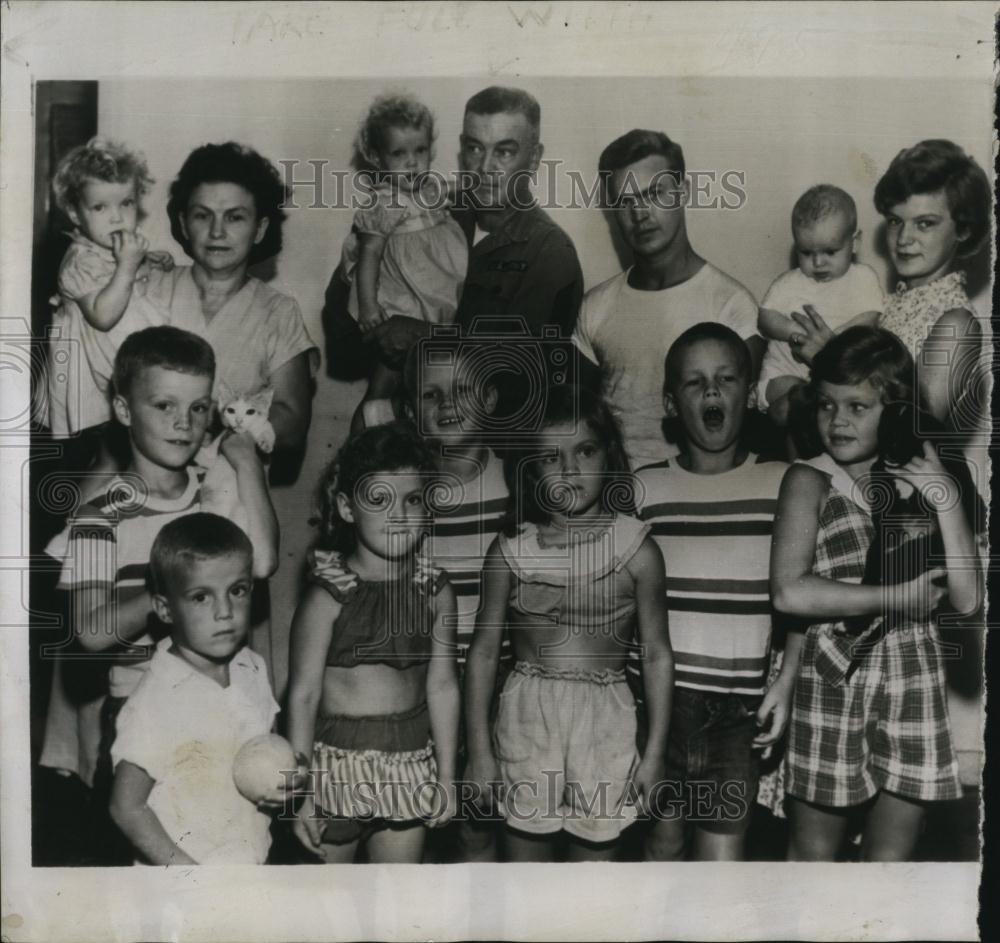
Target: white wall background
784 134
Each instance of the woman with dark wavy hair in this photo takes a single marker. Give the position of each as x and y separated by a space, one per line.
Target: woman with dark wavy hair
937 209
225 212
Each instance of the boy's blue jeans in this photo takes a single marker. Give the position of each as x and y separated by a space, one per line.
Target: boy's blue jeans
712 767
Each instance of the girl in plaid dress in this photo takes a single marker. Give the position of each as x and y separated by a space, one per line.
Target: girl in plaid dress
869 724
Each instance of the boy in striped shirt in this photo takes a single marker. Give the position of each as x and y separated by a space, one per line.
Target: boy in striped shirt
452 400
163 380
712 510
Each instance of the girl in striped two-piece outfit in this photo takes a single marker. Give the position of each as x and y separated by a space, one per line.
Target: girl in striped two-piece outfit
869 726
373 690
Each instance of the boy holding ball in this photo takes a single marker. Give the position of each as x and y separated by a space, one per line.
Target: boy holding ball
205 694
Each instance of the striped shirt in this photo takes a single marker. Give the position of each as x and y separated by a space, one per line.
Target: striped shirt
715 535
462 533
106 545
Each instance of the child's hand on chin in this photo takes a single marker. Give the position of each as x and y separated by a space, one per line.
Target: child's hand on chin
129 248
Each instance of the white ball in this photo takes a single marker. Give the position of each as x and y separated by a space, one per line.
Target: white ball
259 765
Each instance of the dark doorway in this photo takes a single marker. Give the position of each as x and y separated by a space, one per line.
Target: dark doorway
65 116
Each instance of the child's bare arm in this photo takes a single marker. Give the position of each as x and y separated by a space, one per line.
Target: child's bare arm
647 569
797 591
101 622
443 697
775 708
104 309
481 664
251 485
370 250
790 662
309 642
443 701
865 319
657 656
138 821
965 589
775 326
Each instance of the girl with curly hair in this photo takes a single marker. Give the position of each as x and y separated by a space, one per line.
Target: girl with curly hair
102 294
405 255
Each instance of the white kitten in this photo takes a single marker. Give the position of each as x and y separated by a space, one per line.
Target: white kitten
241 413
249 414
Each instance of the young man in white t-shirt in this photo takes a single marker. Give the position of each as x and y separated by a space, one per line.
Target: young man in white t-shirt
627 324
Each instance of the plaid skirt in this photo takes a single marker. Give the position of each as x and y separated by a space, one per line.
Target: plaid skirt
884 726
